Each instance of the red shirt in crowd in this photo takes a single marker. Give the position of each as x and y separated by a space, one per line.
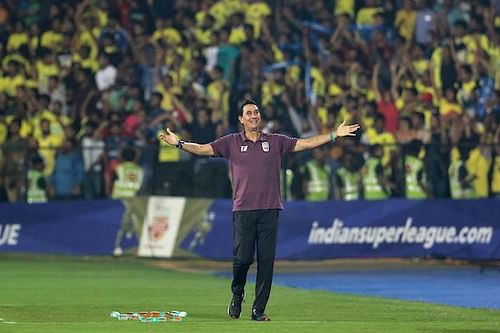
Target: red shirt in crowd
390 112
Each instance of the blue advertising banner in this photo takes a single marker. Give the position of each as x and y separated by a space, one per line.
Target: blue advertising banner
465 229
72 228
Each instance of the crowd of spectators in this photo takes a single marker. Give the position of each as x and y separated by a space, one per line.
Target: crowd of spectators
82 80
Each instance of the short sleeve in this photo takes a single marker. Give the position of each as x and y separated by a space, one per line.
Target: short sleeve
286 143
222 146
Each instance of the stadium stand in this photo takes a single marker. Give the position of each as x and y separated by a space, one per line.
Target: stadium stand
82 80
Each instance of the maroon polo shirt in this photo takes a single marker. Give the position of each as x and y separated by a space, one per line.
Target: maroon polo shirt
255 168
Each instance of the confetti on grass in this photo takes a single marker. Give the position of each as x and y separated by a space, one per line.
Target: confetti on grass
150 316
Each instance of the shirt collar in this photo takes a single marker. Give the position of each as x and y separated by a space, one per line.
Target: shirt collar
262 137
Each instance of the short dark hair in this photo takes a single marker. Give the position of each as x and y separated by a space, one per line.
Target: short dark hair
219 69
44 98
158 94
412 91
467 69
128 154
247 102
460 24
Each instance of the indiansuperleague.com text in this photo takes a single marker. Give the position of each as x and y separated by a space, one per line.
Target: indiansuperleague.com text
428 236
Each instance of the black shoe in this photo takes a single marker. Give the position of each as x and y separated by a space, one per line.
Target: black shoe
234 309
259 316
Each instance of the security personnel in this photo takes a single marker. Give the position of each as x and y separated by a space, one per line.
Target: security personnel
128 176
414 172
317 176
347 180
461 181
37 185
375 184
127 182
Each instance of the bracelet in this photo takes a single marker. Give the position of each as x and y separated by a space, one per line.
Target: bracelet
180 144
332 137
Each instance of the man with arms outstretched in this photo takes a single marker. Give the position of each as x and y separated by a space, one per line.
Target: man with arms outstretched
255 159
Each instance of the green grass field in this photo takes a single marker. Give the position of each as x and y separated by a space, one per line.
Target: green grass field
48 295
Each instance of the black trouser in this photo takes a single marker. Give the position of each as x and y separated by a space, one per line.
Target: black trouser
250 229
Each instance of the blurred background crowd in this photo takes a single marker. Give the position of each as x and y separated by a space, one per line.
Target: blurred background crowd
85 87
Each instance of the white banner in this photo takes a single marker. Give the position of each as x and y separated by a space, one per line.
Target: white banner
161 224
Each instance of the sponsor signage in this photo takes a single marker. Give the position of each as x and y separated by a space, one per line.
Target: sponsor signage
464 229
160 227
72 228
9 234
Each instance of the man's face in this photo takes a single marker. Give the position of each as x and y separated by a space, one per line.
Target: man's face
45 127
57 107
14 127
155 101
379 125
202 116
251 117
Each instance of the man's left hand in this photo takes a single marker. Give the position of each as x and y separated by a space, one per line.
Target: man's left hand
346 130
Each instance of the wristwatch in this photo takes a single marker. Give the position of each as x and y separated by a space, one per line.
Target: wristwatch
179 144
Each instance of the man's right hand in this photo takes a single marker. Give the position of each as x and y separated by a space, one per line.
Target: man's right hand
169 137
